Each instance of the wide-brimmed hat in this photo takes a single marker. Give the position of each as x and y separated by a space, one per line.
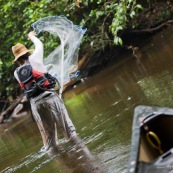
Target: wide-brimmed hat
19 50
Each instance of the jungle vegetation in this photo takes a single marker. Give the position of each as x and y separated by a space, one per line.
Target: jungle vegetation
107 21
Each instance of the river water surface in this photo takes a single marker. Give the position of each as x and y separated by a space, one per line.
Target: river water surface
101 107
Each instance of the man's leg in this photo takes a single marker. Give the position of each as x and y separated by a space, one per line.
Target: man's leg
62 118
45 122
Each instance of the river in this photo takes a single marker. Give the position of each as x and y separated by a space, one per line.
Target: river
101 107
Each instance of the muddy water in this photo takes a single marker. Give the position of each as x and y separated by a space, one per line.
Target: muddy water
101 108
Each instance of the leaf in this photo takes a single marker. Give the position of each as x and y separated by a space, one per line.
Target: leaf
139 6
132 14
99 13
120 41
1 63
92 43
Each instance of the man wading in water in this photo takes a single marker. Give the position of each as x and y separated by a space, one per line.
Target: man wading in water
47 108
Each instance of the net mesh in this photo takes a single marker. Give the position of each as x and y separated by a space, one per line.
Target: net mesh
63 60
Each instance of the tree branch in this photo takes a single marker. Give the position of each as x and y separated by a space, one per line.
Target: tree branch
154 29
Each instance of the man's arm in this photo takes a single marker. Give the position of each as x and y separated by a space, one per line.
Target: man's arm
36 59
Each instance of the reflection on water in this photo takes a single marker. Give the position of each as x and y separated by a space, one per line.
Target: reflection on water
73 158
76 157
102 110
26 162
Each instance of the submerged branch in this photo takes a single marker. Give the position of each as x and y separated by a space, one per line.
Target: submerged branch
8 112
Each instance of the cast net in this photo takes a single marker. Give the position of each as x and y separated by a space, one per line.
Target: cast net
63 60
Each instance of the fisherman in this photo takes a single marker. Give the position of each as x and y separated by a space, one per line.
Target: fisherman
38 85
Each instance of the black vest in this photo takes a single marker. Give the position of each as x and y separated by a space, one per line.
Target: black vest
34 86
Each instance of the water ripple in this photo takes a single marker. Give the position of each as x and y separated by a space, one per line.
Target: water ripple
24 162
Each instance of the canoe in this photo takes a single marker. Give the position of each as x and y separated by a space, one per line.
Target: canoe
152 140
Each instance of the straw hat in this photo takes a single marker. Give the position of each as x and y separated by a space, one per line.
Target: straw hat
19 50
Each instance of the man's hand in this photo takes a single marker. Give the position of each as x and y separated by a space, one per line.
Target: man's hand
32 33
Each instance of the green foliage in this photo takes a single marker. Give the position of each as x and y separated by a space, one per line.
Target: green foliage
125 9
107 19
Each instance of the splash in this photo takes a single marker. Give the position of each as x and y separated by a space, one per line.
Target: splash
63 60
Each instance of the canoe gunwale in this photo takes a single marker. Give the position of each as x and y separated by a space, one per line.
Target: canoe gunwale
142 116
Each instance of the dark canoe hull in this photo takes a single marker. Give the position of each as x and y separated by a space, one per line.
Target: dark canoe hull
144 157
